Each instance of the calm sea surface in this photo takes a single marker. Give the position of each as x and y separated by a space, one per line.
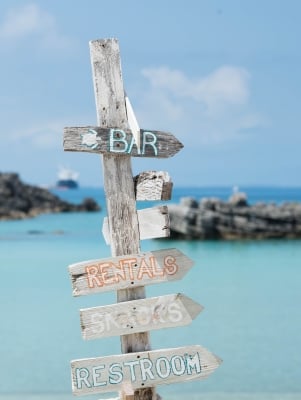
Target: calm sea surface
251 292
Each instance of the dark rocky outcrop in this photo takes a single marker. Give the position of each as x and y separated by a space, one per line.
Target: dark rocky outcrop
19 200
212 218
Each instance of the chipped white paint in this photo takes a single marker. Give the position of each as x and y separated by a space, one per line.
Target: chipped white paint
89 139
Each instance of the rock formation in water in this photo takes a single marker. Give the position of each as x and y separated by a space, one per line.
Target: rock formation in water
212 218
19 200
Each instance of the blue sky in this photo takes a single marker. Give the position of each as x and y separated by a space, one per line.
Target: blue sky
222 76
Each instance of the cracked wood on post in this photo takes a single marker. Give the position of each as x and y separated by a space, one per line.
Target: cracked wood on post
118 179
153 186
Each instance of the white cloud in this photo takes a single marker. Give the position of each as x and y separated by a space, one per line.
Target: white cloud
31 21
225 85
45 134
25 21
209 109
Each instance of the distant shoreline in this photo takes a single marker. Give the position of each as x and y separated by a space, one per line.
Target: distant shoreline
212 218
19 200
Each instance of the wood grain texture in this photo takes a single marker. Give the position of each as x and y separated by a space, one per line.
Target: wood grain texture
153 223
97 276
136 370
153 186
118 141
118 179
138 316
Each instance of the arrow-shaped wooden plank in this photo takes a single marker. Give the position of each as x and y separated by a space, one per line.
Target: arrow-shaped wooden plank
153 186
142 369
138 316
93 139
153 223
130 271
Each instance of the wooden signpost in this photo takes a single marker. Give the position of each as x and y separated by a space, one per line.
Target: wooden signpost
138 371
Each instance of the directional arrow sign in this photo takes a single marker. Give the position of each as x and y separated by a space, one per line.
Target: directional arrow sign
94 139
143 369
138 316
128 271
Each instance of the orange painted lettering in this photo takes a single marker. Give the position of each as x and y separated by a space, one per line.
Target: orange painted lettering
92 277
119 272
170 265
156 271
144 269
107 276
131 263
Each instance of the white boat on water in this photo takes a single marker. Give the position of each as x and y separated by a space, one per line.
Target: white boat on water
67 178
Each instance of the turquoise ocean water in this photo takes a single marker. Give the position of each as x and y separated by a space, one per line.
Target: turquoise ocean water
251 292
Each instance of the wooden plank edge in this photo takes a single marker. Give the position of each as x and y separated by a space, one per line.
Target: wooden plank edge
153 186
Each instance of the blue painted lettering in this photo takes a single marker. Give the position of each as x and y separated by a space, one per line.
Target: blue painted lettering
82 375
133 142
178 365
193 362
144 369
118 143
163 371
146 366
132 365
118 374
149 143
96 375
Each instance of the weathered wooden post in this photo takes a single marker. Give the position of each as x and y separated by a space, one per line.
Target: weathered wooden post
137 372
118 178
